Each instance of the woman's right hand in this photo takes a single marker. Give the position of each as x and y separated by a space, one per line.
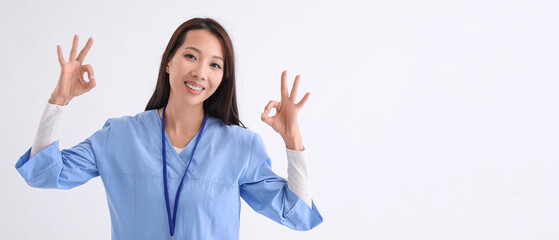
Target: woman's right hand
71 82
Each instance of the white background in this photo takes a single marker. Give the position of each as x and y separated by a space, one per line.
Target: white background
426 120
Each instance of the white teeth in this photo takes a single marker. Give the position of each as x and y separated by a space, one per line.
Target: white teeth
194 87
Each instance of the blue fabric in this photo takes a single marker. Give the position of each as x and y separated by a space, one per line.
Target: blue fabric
230 162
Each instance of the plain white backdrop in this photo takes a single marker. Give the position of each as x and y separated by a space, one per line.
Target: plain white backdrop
426 120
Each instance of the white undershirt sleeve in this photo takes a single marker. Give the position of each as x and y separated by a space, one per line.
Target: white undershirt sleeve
298 175
47 133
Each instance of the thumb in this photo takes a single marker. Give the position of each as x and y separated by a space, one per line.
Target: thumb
265 118
90 75
91 84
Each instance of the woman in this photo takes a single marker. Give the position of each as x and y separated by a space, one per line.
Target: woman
179 168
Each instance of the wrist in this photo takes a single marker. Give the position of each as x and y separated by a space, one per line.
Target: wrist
62 101
295 143
296 147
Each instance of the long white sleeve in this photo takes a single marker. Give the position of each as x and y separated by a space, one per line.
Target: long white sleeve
298 175
48 128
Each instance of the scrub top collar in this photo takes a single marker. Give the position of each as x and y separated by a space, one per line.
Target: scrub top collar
182 157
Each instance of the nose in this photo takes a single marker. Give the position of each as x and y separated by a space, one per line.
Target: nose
199 72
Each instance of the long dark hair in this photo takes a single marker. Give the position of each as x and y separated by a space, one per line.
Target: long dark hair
223 103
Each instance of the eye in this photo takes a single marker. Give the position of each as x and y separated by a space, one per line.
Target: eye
190 56
215 65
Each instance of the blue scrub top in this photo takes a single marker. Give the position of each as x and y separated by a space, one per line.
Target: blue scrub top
230 162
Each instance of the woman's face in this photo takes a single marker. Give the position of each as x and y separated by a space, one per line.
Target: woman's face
196 69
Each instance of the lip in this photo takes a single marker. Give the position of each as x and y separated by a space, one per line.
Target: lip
196 84
192 91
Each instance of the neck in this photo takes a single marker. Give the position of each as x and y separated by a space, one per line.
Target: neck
182 119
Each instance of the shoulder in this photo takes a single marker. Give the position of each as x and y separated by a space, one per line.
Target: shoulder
137 120
234 133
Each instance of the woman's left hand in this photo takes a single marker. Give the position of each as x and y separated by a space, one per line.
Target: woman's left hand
285 119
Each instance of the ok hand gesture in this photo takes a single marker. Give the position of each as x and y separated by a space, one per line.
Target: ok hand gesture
71 82
285 120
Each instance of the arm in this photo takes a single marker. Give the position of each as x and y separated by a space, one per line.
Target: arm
44 165
64 169
286 124
70 84
269 194
47 133
298 175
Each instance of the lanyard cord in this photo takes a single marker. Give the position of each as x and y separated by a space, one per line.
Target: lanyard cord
172 223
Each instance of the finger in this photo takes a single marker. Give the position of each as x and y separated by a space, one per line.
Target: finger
268 120
84 50
284 84
293 95
90 73
270 105
60 56
304 100
74 48
91 84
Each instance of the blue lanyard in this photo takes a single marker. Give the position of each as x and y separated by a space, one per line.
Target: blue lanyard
172 223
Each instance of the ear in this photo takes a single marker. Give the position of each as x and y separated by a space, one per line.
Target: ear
167 68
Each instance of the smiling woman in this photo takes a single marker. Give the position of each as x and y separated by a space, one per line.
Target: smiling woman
195 71
204 49
188 140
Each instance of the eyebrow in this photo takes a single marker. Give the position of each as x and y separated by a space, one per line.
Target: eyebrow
198 50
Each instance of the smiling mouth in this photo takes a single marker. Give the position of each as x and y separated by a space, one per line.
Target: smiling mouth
193 87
